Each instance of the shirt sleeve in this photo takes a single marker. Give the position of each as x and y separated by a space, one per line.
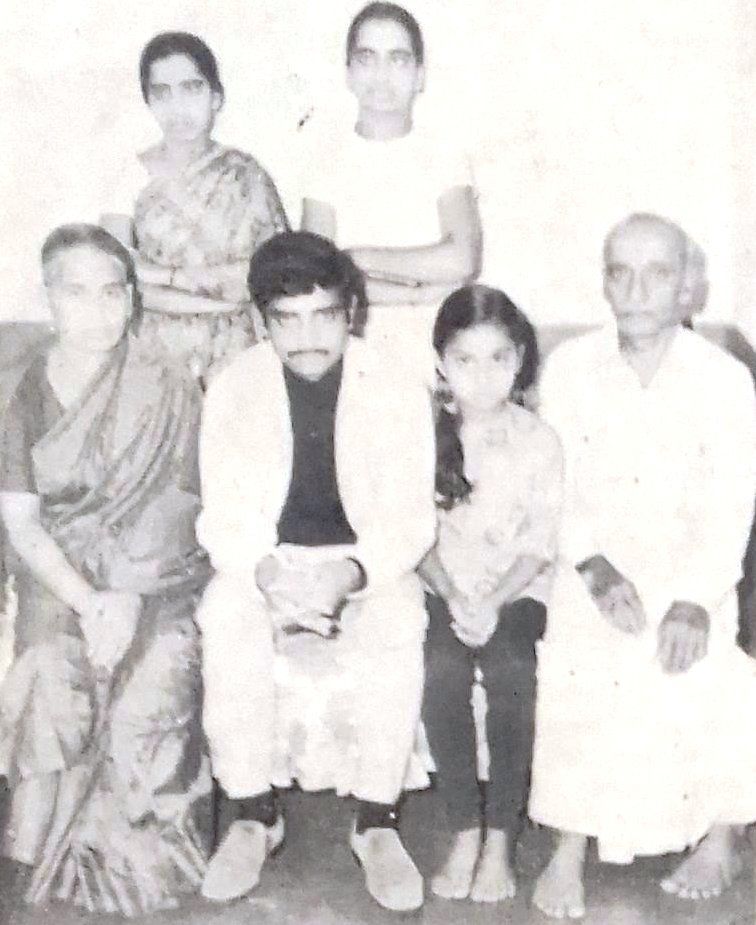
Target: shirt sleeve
540 533
458 171
233 525
271 217
392 542
317 175
719 497
560 407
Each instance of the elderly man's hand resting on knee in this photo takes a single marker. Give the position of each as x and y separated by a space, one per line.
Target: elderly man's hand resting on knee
614 595
683 636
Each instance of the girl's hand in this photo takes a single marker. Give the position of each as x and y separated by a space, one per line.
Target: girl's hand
108 622
474 622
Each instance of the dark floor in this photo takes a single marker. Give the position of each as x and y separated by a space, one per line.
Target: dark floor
314 881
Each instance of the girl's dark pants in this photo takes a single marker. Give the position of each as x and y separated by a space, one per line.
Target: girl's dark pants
508 664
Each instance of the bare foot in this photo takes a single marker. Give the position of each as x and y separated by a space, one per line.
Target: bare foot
494 878
709 870
559 891
454 879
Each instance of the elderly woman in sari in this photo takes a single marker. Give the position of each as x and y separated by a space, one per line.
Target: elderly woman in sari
202 211
99 725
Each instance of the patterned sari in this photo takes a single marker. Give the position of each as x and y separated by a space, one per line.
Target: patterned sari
125 755
218 212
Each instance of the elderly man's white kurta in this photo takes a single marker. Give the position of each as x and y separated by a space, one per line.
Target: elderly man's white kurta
661 481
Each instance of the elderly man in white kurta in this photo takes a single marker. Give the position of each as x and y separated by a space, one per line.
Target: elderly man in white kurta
645 715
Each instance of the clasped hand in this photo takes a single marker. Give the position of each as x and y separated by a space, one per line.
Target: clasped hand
473 621
108 621
305 595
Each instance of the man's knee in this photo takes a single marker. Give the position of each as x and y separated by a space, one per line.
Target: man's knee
391 619
235 624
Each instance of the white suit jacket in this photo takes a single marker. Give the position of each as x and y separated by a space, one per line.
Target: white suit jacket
385 461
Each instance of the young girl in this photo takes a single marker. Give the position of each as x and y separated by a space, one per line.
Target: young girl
498 482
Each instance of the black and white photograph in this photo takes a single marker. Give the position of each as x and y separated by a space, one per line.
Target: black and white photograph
378 462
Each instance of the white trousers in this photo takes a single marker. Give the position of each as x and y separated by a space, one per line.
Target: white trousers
381 644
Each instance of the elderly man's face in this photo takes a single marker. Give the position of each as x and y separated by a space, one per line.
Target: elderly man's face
309 332
644 278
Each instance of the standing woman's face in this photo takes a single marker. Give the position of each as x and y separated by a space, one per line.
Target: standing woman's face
181 99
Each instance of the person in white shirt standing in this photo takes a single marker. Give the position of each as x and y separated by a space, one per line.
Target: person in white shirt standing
644 721
317 489
399 196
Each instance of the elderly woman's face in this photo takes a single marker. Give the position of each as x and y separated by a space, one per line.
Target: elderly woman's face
181 99
89 297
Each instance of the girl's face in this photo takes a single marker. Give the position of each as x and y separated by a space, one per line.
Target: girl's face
181 99
480 365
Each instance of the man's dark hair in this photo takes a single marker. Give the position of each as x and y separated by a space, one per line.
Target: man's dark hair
394 13
298 262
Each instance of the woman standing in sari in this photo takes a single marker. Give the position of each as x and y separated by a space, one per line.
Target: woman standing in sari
203 212
99 713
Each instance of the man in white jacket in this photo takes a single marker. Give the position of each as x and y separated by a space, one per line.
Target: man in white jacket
644 723
317 471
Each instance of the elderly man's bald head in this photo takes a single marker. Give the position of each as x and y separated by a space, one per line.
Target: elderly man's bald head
683 248
678 239
647 278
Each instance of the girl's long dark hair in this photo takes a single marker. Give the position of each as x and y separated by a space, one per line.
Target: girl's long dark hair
463 309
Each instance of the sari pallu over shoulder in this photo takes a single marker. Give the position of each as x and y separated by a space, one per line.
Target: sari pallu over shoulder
210 218
220 209
118 479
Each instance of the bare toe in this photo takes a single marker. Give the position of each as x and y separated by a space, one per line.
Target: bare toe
447 887
494 880
455 878
707 872
559 892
